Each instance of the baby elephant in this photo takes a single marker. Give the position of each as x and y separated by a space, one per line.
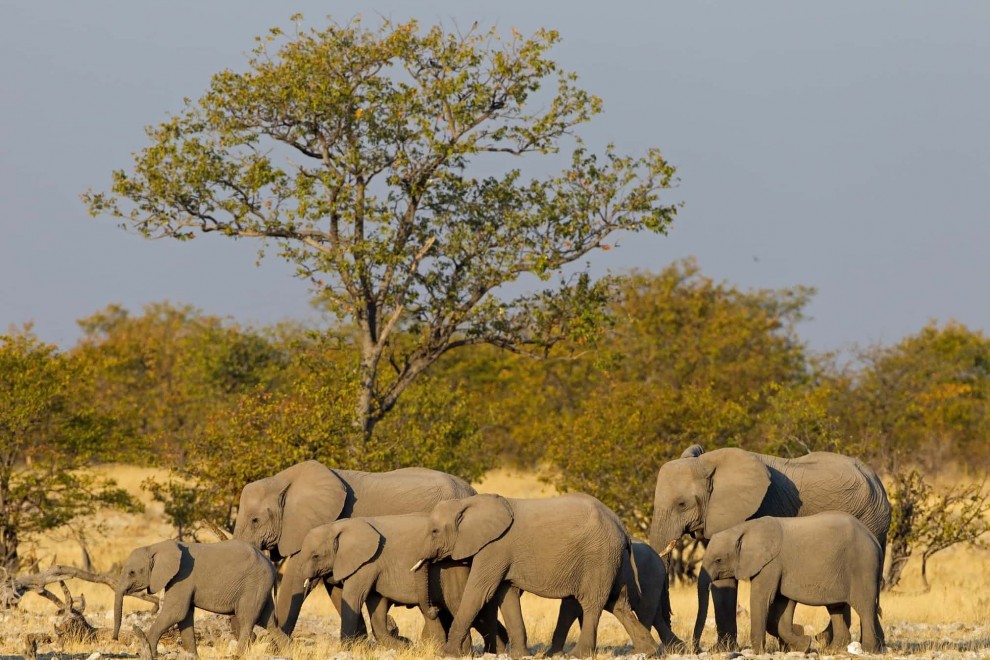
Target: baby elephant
646 578
828 559
371 558
230 577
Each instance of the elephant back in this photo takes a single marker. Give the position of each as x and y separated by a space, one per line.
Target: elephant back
825 481
406 490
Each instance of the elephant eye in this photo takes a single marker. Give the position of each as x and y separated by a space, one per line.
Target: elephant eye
435 531
682 504
131 573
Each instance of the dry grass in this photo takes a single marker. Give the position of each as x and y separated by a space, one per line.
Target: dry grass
952 619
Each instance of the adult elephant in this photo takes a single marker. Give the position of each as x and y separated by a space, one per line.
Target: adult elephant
276 513
704 493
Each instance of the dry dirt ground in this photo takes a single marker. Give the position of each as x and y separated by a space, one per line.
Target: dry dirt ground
952 620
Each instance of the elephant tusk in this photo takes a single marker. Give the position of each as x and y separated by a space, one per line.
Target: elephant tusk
669 548
306 585
416 566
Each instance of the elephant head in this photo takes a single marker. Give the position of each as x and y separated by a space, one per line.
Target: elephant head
275 513
741 552
459 529
338 549
704 493
150 567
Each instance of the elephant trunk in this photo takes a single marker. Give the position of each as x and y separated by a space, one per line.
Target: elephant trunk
118 608
290 595
426 605
664 533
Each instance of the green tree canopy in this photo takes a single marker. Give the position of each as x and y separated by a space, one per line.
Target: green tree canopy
384 164
924 400
46 437
159 374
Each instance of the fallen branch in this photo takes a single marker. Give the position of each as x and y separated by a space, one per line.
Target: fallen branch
12 589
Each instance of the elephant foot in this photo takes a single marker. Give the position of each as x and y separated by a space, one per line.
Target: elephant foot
145 652
675 644
726 642
826 639
800 643
450 650
651 651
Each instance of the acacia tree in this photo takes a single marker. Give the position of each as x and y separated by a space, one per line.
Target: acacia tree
383 164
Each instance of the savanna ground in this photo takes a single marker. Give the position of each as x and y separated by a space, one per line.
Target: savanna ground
951 620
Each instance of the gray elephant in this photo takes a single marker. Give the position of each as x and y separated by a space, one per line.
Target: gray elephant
371 557
230 577
705 493
276 513
829 559
653 608
558 547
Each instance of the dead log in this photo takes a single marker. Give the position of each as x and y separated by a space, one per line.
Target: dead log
12 589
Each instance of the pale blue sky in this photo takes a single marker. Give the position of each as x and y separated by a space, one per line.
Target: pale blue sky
841 145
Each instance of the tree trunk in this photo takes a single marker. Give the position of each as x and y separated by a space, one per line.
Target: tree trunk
924 573
8 546
900 553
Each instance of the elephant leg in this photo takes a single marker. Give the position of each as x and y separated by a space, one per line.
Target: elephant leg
569 612
266 619
870 633
353 597
436 630
378 608
724 599
837 632
177 608
493 634
245 633
336 594
643 641
187 633
591 608
782 616
704 584
762 594
511 608
667 636
661 621
481 586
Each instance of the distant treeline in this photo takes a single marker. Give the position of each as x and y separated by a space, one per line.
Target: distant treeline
685 360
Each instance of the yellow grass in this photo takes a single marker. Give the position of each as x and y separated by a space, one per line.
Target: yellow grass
953 619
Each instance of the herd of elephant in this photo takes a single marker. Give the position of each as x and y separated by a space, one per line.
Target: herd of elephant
809 530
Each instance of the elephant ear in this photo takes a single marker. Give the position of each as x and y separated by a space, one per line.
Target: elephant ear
758 545
163 564
314 496
481 520
357 544
694 451
738 482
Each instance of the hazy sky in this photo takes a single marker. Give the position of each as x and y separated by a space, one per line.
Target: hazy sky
840 145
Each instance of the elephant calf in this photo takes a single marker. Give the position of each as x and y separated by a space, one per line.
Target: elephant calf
371 557
646 577
829 559
230 577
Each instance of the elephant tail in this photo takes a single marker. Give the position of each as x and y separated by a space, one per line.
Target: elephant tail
630 577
